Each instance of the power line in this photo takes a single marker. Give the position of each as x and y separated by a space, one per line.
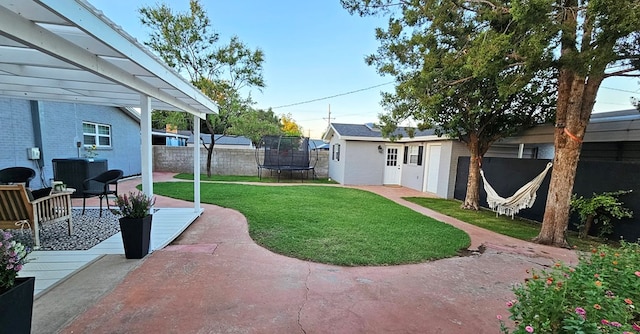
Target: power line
332 96
620 90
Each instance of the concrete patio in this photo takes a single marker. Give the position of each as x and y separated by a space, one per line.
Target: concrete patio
213 278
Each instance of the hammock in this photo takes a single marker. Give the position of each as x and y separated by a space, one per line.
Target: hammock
521 199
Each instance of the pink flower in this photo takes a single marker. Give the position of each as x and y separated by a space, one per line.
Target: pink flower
580 311
638 273
636 327
604 321
529 329
616 324
499 317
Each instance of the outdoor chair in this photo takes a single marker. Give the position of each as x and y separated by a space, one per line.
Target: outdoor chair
100 186
19 211
13 175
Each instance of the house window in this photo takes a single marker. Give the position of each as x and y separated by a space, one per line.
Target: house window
96 134
413 155
336 152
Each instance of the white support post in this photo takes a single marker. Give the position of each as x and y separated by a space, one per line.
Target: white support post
146 150
196 163
520 151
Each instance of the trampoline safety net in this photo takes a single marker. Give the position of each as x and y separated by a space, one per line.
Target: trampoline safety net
285 153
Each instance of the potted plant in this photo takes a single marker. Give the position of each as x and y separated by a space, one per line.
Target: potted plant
16 293
135 223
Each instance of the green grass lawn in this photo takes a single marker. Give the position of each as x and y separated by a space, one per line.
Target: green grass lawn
266 178
331 225
518 228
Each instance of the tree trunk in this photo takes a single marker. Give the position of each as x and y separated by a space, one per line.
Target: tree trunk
587 226
576 97
210 154
209 157
576 100
472 198
210 147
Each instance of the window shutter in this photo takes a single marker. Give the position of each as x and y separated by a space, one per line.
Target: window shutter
406 154
420 151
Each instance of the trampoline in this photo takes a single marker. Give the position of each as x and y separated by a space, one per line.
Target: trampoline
286 153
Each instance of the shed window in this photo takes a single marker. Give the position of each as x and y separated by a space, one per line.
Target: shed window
96 134
336 152
413 155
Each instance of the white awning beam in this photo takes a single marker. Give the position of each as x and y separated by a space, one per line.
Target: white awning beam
71 46
26 32
68 51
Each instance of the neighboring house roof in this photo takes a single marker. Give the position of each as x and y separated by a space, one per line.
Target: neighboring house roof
164 133
68 51
316 143
612 126
369 132
324 146
615 116
223 140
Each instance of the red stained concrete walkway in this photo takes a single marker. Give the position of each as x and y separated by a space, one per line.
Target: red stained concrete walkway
215 279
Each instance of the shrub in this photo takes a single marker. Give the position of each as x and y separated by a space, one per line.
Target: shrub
133 205
599 209
598 295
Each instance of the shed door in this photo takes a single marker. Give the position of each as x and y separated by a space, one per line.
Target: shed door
392 165
433 168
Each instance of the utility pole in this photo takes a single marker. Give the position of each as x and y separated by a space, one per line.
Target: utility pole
328 118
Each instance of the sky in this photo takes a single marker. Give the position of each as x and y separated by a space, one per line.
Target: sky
314 51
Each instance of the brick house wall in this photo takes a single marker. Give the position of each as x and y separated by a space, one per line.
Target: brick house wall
59 125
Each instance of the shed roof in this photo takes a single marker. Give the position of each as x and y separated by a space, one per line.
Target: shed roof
68 51
372 133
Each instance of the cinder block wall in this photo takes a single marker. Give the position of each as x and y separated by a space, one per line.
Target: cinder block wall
226 161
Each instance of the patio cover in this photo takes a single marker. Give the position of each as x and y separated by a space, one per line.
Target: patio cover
68 51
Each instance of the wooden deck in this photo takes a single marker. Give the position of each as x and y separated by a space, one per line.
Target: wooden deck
52 267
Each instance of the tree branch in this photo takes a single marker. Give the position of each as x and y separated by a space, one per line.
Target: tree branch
459 81
493 6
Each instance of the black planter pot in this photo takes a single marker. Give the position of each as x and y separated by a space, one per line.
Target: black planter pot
16 307
136 233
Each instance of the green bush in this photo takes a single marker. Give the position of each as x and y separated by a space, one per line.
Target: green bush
598 295
599 209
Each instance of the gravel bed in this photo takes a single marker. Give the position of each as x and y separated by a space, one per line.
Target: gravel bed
88 230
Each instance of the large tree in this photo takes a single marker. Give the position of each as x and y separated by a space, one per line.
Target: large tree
454 73
596 39
585 41
255 124
186 42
